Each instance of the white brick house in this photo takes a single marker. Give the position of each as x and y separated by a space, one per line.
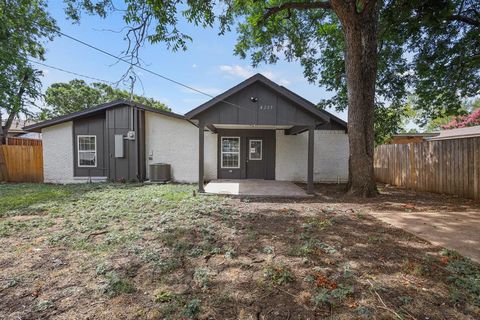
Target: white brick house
256 130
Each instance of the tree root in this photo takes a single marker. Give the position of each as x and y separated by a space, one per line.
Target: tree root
384 306
93 234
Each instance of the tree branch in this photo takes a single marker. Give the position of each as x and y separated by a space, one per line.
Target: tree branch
15 109
465 19
296 5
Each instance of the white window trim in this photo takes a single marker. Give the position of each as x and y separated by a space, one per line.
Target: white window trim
229 152
79 151
250 146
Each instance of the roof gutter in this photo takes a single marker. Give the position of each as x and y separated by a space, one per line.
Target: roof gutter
51 122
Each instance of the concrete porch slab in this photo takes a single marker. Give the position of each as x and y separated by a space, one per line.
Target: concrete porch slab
256 188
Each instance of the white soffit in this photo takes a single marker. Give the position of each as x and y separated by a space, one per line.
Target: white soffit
252 126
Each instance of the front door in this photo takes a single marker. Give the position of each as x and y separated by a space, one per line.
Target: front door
255 163
246 154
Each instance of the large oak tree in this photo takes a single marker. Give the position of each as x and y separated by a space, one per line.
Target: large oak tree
372 53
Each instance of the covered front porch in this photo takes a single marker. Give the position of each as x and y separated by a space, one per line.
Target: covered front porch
249 154
246 120
256 188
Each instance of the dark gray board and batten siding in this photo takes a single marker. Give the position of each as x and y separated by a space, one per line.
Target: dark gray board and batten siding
268 153
119 121
104 121
269 109
105 125
94 125
256 102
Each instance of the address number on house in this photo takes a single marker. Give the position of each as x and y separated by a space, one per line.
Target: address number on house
266 107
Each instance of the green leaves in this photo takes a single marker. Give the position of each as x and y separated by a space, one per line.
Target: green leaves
430 49
76 95
424 50
24 27
443 49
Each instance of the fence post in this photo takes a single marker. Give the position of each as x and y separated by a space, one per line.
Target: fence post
476 168
3 165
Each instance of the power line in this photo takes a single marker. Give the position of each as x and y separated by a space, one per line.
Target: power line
134 65
159 75
70 72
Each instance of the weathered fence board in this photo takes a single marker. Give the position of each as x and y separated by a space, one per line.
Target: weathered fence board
442 166
21 163
16 141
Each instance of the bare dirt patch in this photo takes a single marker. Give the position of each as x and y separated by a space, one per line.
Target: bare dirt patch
130 252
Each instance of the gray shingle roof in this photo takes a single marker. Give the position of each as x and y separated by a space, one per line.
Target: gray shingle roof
466 132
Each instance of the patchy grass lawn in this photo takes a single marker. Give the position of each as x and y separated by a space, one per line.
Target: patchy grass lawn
118 251
17 199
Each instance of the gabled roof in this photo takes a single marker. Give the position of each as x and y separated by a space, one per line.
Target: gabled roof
18 124
121 102
333 118
305 104
458 133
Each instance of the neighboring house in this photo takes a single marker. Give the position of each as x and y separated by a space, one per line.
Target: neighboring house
403 138
30 135
16 129
256 130
458 133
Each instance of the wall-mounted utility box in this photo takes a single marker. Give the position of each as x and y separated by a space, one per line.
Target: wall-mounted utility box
119 146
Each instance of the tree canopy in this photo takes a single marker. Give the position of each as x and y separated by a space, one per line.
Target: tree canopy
469 120
76 95
429 49
470 117
24 27
372 54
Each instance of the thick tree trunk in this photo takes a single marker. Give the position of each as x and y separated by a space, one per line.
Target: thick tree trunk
1 128
15 109
6 128
360 29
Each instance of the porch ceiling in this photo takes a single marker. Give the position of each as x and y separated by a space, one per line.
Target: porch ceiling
252 126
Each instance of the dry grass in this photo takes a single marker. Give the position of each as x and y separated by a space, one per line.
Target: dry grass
131 251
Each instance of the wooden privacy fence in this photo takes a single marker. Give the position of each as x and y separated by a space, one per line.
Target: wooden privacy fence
15 141
443 166
21 163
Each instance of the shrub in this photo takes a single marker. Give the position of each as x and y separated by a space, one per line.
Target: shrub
116 285
268 250
161 296
465 275
330 297
43 305
468 120
192 309
278 274
415 268
201 277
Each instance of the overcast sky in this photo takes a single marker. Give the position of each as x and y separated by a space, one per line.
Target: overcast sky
208 65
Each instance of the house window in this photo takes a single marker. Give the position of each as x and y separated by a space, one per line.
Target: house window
255 151
87 151
230 153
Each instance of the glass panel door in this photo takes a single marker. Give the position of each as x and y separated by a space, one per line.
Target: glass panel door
255 149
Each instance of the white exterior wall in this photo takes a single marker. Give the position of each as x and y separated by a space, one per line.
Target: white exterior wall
330 156
175 141
58 153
